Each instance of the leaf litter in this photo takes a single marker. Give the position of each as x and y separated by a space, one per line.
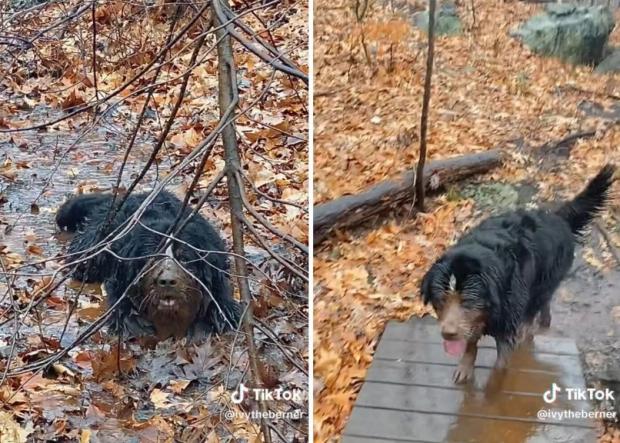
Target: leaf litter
487 92
170 391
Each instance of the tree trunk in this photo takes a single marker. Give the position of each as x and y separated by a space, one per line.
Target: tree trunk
420 180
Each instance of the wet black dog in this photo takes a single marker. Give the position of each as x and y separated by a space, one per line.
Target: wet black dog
184 290
499 278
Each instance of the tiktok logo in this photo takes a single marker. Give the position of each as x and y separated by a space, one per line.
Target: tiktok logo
237 397
263 394
550 395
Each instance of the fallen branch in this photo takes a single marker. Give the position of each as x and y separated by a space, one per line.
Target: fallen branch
351 210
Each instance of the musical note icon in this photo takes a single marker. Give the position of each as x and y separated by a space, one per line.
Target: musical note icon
550 395
237 397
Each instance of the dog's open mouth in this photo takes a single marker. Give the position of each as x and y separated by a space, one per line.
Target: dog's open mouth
455 348
167 303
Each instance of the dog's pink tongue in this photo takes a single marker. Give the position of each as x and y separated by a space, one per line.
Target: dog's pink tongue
455 348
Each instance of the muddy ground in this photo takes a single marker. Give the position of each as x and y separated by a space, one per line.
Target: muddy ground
40 171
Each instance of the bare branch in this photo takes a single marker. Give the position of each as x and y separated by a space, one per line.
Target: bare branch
228 96
256 50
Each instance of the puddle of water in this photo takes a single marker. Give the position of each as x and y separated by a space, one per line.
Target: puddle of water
46 167
513 416
44 176
91 313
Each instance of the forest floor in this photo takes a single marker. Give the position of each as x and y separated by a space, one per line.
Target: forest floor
488 91
174 390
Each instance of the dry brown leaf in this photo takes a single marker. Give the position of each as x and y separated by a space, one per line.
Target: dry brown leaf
11 431
73 100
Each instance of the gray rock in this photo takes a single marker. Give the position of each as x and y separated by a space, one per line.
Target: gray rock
495 197
447 21
18 5
575 34
611 63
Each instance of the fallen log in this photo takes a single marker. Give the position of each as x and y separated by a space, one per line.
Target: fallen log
350 210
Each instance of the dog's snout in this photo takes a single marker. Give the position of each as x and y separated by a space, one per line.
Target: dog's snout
167 282
449 332
168 274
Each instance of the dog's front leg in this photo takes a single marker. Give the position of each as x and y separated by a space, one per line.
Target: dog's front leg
545 316
465 370
504 350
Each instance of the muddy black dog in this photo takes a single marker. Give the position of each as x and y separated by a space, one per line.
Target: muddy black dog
181 291
499 278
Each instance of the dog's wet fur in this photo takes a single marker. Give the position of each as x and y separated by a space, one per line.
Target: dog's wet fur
184 293
499 278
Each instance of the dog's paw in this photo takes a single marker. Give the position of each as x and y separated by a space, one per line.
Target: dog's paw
545 320
501 363
463 374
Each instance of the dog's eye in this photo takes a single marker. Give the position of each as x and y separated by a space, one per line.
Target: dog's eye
437 304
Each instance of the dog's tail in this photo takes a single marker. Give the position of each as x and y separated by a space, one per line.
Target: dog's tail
580 211
76 210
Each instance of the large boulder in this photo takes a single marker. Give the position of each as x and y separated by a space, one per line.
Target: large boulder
610 64
18 5
575 34
447 21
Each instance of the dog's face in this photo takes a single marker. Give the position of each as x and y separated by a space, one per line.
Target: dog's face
175 290
458 299
170 288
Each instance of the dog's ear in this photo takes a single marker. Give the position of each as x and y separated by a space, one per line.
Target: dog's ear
226 314
464 265
221 311
126 272
426 286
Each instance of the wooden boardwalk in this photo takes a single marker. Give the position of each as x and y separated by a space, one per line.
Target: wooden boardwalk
408 394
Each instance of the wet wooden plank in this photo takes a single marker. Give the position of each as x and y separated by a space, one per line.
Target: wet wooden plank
463 402
407 373
409 396
425 330
434 353
403 426
361 439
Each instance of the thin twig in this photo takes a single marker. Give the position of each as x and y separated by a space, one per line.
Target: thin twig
419 178
94 20
121 88
299 245
568 140
256 50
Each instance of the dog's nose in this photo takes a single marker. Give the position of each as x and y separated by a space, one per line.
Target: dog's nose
167 282
449 334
